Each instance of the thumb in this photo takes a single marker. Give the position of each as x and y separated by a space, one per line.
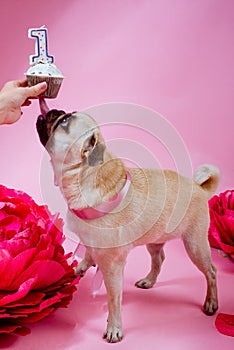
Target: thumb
36 90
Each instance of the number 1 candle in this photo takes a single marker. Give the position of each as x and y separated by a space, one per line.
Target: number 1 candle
41 46
42 67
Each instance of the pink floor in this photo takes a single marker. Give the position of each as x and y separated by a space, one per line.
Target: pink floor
174 57
168 316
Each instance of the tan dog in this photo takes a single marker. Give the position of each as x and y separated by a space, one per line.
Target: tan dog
157 206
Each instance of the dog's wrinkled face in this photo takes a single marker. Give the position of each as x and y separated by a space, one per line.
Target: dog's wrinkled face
70 138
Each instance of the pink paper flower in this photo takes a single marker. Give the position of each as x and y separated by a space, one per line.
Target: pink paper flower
225 324
221 232
35 276
221 236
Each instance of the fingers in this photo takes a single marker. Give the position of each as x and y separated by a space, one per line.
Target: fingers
9 86
26 103
21 82
36 90
12 84
12 118
28 92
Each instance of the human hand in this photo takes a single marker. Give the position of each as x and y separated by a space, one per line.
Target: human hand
15 94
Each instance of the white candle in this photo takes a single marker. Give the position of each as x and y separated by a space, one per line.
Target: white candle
41 46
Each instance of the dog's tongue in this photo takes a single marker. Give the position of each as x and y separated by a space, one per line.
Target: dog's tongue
43 106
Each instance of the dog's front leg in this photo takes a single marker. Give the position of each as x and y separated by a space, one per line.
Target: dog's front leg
113 282
113 277
84 265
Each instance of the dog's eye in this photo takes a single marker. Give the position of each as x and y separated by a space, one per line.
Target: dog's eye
63 121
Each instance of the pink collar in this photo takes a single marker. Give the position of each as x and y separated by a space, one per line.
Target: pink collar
106 207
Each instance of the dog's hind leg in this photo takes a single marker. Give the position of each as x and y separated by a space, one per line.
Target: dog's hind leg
200 254
157 258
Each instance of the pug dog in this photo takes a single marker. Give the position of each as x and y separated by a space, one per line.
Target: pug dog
113 208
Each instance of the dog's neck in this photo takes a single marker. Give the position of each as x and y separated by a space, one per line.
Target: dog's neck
85 186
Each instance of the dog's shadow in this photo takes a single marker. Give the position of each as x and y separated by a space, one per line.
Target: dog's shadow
157 302
90 314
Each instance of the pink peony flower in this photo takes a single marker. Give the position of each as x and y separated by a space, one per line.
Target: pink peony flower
221 231
36 278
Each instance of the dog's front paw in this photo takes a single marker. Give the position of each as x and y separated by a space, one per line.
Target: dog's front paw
82 267
113 334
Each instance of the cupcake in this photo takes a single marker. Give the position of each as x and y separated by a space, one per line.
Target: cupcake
48 72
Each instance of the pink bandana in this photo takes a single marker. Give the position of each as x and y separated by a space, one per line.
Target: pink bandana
106 207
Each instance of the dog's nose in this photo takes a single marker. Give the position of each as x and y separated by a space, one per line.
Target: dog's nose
42 130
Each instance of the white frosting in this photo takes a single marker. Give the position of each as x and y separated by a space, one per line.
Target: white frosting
44 70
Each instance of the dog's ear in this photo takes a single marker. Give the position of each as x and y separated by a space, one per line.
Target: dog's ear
93 150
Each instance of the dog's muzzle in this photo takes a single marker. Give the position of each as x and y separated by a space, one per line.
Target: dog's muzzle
46 121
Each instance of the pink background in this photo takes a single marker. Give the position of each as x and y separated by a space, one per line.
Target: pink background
173 56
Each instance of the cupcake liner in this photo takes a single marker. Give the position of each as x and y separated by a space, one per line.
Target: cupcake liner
53 84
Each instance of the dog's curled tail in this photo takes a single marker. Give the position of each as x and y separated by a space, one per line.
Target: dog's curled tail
208 177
